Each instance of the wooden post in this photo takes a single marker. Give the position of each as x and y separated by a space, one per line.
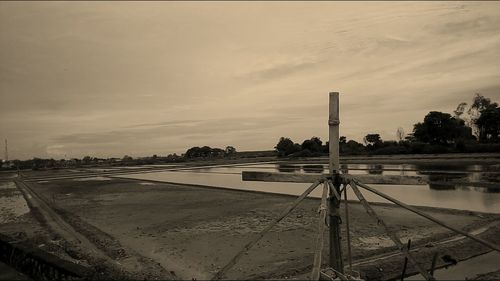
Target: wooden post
336 261
333 133
405 264
433 265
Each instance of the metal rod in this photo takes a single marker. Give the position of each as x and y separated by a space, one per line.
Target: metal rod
392 235
429 217
348 231
320 238
250 244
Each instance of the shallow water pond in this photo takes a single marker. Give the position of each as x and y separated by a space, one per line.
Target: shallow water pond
463 198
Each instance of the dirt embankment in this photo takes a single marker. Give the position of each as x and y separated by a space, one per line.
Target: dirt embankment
194 231
36 229
494 275
434 159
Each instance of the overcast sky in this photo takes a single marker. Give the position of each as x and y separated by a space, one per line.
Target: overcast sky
141 78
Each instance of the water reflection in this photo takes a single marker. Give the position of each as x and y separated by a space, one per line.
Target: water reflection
344 168
375 169
442 182
442 177
461 198
287 168
315 169
442 192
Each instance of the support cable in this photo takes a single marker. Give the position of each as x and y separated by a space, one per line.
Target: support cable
250 244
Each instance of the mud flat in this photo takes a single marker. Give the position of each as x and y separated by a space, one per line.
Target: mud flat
191 232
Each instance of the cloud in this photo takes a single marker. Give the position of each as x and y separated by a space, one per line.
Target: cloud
282 69
479 24
152 77
161 124
220 131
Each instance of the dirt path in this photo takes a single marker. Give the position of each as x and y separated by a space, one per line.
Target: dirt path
56 223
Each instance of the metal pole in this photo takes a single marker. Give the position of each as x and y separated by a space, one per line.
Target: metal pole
336 261
348 231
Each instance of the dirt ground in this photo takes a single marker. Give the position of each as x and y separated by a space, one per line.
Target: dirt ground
192 232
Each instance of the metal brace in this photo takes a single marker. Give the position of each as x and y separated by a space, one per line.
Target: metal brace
333 122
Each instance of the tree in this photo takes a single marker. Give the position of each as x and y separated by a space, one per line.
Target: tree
314 144
410 138
37 163
400 134
488 124
440 128
86 160
285 146
127 159
193 152
230 150
460 109
326 147
205 151
372 139
51 163
352 147
479 104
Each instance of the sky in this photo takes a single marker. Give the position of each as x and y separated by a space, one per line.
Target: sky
109 79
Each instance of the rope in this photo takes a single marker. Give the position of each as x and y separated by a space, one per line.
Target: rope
338 274
250 244
334 191
394 237
429 217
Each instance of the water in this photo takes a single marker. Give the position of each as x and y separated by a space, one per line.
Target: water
454 197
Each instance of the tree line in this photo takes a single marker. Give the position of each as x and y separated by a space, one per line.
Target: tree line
471 128
192 153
